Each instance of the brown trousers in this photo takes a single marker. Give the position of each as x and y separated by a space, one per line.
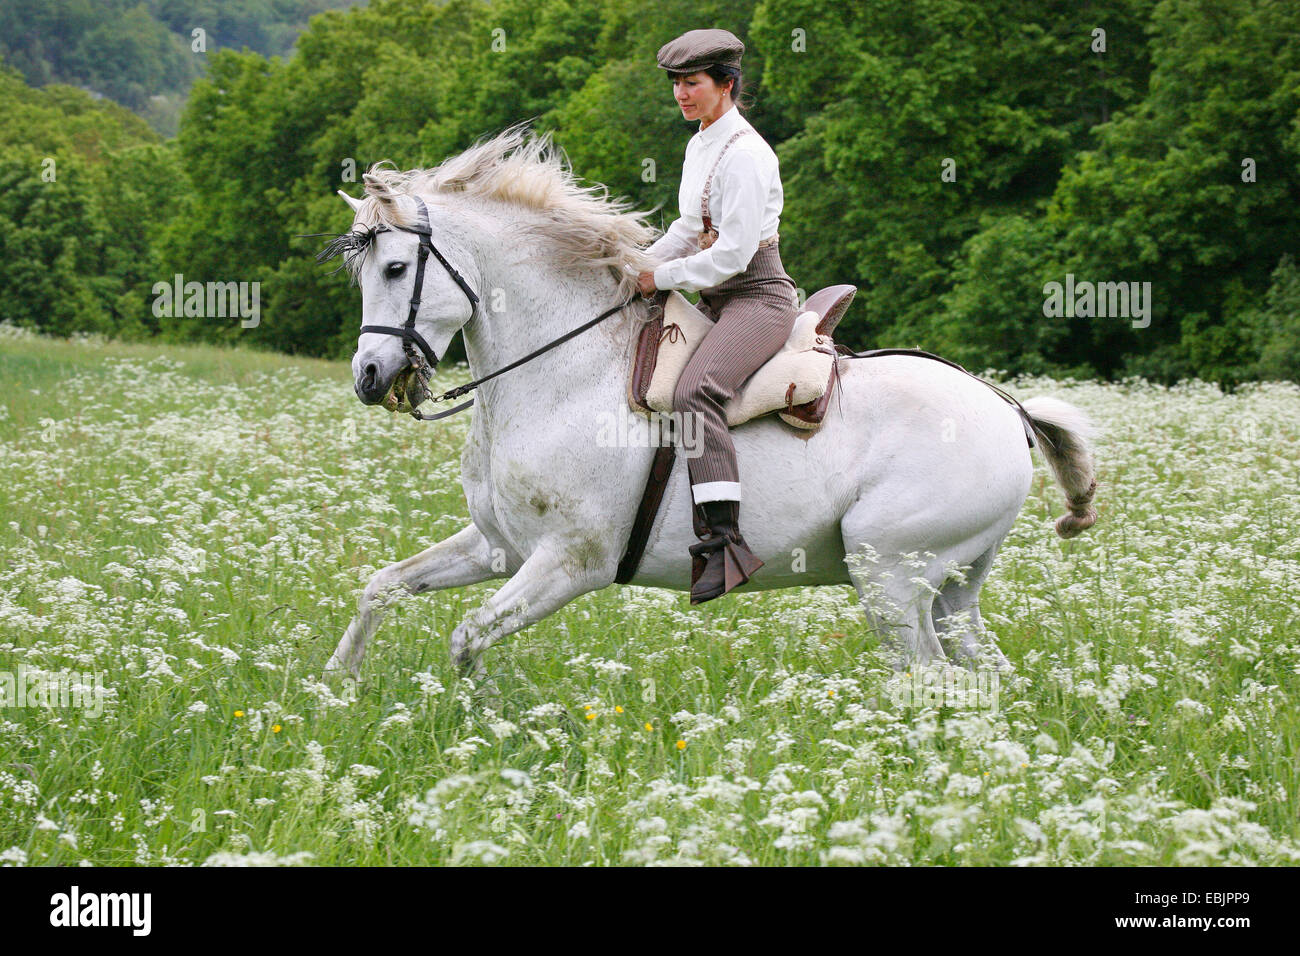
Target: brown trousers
753 313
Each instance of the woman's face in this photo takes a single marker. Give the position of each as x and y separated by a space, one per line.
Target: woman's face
699 97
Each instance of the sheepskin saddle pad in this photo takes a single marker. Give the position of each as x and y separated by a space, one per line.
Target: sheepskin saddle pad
796 382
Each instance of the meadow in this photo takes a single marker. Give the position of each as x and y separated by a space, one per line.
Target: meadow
193 526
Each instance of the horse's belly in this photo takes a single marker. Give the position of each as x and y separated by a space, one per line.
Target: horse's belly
793 495
922 456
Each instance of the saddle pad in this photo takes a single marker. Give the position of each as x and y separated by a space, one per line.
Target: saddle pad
798 374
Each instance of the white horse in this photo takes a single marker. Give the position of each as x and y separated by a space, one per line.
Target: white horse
915 462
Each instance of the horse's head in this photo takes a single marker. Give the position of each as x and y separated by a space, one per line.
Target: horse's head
412 298
509 204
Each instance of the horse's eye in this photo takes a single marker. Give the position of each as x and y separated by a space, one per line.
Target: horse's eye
395 269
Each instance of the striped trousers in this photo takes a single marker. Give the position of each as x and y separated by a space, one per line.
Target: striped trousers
753 314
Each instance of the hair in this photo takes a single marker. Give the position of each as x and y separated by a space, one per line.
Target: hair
720 75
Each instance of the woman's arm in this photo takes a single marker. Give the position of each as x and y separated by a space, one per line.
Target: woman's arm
739 205
678 241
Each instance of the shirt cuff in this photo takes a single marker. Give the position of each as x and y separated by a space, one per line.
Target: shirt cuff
664 277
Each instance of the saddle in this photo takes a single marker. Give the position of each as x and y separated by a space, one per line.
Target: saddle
790 374
796 382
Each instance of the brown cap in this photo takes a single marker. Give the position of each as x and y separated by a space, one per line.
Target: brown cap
700 49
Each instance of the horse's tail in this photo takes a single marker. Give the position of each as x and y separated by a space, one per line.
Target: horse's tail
1063 432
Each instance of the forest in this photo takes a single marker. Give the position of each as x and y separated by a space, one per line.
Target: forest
962 162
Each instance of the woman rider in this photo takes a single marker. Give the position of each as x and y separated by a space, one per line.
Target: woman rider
723 246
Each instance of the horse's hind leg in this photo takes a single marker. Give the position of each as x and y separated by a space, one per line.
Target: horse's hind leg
898 604
464 558
957 611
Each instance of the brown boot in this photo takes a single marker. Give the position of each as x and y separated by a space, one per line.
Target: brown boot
722 560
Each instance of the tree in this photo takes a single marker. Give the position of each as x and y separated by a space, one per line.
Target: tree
922 118
1194 189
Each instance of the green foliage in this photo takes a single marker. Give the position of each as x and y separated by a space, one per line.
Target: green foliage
950 157
140 190
897 92
1163 199
1276 327
138 53
61 119
51 238
84 189
1000 265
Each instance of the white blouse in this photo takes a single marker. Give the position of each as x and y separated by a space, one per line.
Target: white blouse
745 202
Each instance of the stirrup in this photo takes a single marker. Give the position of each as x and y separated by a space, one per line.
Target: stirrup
720 564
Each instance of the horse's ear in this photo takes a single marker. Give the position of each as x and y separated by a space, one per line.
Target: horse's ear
354 203
376 189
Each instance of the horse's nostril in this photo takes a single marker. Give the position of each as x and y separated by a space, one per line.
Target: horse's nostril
368 383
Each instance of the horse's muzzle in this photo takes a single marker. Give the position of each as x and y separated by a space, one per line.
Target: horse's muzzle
401 393
371 387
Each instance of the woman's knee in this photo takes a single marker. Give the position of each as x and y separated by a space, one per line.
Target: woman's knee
696 392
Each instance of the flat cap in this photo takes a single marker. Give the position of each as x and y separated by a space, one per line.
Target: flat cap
699 49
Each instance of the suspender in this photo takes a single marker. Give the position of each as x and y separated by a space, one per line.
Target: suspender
709 235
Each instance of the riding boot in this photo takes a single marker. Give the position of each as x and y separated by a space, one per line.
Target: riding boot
722 560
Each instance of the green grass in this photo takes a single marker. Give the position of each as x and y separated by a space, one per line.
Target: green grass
194 525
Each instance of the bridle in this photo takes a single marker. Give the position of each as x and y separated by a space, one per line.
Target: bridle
425 365
407 332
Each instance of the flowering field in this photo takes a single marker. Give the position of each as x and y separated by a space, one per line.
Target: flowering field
186 530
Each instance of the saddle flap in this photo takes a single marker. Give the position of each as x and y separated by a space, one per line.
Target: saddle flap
683 329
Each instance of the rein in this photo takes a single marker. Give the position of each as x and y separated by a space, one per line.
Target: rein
460 390
411 338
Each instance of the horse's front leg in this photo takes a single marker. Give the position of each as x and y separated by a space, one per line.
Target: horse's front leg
552 576
464 558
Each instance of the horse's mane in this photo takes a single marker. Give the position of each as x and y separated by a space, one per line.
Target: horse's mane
584 224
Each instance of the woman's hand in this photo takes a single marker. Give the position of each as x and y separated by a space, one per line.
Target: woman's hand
646 283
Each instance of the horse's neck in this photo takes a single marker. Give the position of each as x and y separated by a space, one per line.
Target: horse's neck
533 310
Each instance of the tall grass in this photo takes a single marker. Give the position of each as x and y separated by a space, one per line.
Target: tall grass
193 527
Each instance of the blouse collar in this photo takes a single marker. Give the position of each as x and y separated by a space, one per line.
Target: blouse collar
723 126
